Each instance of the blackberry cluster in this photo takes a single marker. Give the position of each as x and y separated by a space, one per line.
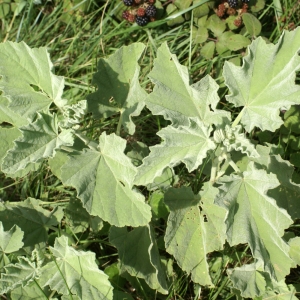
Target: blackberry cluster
150 11
142 20
142 11
232 3
128 2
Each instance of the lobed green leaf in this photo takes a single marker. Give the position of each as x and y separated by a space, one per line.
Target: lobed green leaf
103 180
142 261
254 218
75 272
266 81
118 85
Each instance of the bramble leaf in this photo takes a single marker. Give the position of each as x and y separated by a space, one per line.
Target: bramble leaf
188 144
142 261
208 50
200 34
252 24
103 180
118 85
31 218
255 218
236 42
75 272
39 140
188 237
27 81
266 81
174 98
216 25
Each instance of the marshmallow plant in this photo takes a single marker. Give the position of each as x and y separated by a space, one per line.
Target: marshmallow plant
245 194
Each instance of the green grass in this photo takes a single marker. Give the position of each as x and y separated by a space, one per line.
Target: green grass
76 39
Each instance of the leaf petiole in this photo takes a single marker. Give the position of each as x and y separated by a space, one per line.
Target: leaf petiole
91 144
238 118
118 131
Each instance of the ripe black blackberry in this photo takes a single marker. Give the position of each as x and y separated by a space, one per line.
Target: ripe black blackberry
142 21
246 1
128 2
150 11
232 3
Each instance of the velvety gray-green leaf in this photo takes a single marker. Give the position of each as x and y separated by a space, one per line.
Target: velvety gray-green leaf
232 138
39 140
103 180
187 144
19 274
9 116
77 218
118 85
214 228
142 260
295 250
27 80
31 218
266 81
32 291
249 279
76 272
254 218
287 194
7 137
174 98
187 237
10 240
